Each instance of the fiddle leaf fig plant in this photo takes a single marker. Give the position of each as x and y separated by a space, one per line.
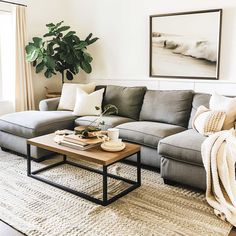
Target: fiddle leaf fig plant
60 51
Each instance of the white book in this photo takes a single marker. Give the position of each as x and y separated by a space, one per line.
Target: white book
77 146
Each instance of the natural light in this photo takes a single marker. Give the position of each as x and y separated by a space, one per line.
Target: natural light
7 58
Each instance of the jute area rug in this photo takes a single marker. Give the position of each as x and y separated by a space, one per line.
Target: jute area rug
38 209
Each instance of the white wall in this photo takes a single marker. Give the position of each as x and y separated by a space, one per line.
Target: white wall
121 56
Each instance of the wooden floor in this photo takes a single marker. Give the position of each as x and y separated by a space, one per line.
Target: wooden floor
6 230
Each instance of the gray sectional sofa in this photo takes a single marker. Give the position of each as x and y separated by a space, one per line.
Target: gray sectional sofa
160 121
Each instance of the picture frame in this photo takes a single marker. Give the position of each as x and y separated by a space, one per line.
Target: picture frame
186 44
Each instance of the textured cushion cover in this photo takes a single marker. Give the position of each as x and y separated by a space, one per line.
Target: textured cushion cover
226 104
128 100
147 133
87 104
110 121
29 124
198 100
171 107
184 146
68 95
207 122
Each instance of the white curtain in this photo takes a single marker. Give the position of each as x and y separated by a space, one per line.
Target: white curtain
24 86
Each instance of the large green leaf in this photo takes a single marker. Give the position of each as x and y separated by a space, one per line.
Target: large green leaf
30 48
50 48
89 37
92 41
50 25
63 28
81 45
32 56
48 73
38 42
49 34
87 57
69 75
49 62
86 67
69 34
59 24
39 67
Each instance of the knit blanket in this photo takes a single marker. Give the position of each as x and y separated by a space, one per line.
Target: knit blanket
219 157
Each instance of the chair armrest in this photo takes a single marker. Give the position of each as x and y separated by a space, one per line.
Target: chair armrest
50 104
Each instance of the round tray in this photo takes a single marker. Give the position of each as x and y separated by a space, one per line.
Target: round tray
112 149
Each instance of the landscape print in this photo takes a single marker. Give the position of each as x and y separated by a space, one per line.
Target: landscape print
185 45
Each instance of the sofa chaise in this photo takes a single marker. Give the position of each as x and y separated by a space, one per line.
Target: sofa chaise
158 120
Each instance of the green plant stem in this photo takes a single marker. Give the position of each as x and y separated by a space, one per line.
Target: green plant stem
98 117
62 77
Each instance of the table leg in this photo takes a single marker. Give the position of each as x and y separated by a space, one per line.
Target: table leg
139 168
28 160
104 185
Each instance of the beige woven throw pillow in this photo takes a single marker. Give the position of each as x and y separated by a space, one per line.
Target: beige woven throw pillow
207 122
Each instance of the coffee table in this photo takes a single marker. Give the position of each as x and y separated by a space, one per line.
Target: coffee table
94 155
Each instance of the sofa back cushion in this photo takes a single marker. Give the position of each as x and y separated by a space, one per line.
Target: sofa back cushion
167 106
128 100
198 100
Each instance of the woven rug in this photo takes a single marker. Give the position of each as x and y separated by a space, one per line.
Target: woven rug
38 209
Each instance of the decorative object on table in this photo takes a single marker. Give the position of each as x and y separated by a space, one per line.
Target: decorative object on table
64 132
92 131
68 138
113 134
76 142
113 146
60 51
186 42
68 94
51 94
85 131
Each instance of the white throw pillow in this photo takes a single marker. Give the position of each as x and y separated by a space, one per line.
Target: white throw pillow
207 122
68 95
86 103
226 104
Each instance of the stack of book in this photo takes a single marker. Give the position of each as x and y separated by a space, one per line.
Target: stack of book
76 142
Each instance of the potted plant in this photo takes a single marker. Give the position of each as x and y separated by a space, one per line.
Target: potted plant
60 50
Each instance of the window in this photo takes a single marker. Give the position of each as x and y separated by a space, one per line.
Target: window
7 58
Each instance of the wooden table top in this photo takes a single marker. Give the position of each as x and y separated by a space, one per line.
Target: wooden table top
94 155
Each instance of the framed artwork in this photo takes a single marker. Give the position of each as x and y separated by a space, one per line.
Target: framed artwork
186 44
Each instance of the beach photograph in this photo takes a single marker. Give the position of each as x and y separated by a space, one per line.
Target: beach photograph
185 45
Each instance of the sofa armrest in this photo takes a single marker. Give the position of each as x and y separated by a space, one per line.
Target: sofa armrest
50 104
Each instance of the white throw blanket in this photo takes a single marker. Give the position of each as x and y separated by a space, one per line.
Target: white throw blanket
219 157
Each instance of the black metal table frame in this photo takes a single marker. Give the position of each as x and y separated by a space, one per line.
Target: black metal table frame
105 201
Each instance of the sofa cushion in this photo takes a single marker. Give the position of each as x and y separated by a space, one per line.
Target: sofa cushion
183 147
147 133
128 100
110 121
30 124
198 100
170 106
